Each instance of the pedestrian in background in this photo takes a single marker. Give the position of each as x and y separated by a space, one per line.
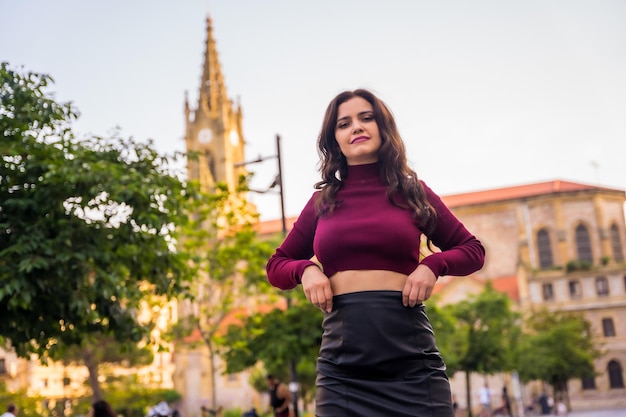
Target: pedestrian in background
485 400
101 408
561 408
11 411
506 401
280 396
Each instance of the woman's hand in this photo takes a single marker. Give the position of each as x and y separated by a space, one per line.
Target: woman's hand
316 286
418 286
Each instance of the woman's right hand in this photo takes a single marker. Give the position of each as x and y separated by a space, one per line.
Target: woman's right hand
317 290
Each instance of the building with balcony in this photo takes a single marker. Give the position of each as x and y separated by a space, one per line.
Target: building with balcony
558 245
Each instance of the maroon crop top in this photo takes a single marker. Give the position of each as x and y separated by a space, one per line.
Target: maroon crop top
366 231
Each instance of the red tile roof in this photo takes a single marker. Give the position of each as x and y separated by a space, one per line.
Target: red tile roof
268 227
518 191
507 285
444 281
235 318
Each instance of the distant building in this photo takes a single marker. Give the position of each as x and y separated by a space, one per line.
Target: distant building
559 245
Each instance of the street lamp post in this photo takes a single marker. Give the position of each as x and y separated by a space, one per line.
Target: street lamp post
280 188
278 182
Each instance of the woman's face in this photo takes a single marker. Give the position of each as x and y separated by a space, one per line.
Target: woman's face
356 132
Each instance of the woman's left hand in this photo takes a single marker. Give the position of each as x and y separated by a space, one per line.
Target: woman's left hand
418 286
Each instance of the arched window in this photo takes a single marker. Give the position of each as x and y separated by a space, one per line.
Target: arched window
583 244
545 249
616 379
616 244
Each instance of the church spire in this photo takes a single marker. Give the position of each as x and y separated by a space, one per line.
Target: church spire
213 95
215 131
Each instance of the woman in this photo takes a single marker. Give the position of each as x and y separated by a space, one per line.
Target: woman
378 355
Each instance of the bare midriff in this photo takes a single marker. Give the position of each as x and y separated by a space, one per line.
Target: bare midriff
344 282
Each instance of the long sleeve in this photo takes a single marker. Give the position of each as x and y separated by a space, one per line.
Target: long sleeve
461 253
285 267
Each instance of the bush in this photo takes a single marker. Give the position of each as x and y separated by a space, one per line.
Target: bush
578 265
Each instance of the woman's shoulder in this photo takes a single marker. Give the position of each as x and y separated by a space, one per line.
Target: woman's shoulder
311 204
315 195
427 190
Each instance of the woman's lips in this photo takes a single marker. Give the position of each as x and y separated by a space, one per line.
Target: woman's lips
359 139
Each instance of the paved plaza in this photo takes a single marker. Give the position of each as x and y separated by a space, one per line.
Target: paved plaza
616 412
613 412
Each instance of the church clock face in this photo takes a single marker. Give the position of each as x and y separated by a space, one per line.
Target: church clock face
234 137
205 135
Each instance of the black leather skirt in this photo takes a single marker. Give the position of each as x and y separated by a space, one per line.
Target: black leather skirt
379 359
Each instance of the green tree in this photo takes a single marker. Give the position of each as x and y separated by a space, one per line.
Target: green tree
486 333
128 396
101 349
131 398
444 325
556 347
276 338
229 260
28 405
87 226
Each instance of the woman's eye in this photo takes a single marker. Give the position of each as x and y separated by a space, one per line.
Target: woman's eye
342 125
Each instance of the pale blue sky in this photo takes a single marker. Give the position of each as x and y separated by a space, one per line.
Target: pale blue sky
486 93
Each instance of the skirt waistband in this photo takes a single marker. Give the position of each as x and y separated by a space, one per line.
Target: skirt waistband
372 331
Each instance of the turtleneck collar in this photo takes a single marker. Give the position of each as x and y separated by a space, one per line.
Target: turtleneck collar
362 172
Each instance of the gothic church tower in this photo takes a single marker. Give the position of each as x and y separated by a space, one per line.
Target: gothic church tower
213 130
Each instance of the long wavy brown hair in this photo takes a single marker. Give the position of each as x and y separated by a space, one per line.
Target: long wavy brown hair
392 162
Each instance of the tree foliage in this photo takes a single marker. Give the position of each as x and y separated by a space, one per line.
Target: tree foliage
100 350
27 405
556 347
487 331
276 338
128 396
444 325
131 398
229 260
489 328
86 225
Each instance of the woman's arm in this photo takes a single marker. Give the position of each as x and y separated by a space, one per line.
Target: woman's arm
286 266
461 252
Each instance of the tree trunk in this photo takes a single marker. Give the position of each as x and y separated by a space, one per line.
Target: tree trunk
213 382
92 367
468 393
